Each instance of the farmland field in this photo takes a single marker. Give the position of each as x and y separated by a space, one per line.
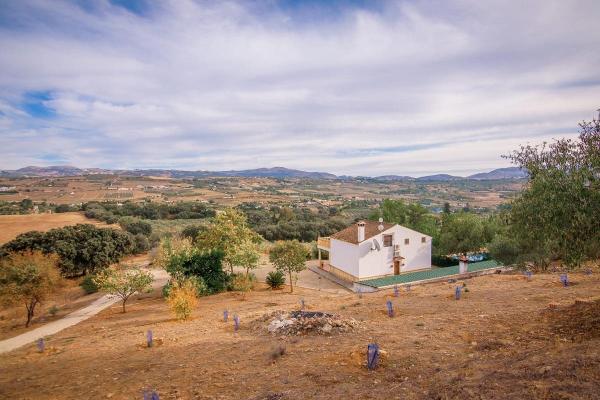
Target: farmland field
13 225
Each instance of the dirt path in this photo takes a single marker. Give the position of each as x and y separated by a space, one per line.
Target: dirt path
160 278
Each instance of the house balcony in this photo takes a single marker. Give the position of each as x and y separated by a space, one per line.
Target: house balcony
324 243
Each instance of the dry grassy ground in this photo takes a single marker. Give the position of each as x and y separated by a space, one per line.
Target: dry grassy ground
13 225
506 339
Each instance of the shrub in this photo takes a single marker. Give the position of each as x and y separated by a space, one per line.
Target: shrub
135 226
53 310
183 299
141 243
62 208
241 283
88 284
275 279
198 282
192 231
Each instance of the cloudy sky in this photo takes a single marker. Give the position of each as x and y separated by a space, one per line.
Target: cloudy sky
348 87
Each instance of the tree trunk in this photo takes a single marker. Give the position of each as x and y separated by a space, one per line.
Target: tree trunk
291 283
30 309
124 301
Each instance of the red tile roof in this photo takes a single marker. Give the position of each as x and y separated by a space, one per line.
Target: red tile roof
350 234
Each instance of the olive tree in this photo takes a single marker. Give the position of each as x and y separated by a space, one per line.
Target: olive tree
28 278
289 257
556 215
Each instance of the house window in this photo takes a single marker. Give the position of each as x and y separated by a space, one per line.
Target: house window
407 241
387 240
423 239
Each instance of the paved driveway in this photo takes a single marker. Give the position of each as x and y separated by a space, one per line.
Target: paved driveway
160 278
306 279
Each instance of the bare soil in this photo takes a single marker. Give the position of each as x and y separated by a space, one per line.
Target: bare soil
505 339
13 225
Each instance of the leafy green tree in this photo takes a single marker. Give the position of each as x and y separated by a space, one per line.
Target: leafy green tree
446 208
82 248
135 226
463 232
227 233
124 283
28 278
289 257
26 204
413 216
246 255
505 249
556 215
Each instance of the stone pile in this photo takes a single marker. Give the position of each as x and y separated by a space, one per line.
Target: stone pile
307 322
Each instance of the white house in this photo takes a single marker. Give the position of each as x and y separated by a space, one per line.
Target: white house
370 249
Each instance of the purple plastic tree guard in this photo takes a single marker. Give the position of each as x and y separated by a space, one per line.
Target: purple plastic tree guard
528 274
372 356
457 292
149 337
302 304
359 293
407 287
564 279
396 292
41 345
390 308
225 315
236 323
150 395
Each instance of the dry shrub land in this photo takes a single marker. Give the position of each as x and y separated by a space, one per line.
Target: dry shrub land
507 338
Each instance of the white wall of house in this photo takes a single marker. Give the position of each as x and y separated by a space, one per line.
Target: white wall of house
374 262
363 262
417 255
344 256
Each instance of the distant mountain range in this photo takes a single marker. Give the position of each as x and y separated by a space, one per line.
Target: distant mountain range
276 172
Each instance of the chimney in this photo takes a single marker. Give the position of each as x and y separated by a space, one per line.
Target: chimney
361 231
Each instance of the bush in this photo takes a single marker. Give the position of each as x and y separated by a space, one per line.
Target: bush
443 261
182 299
192 231
198 282
53 310
275 279
141 243
88 284
135 226
63 208
241 283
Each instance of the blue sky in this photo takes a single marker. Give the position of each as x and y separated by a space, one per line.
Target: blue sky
348 87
